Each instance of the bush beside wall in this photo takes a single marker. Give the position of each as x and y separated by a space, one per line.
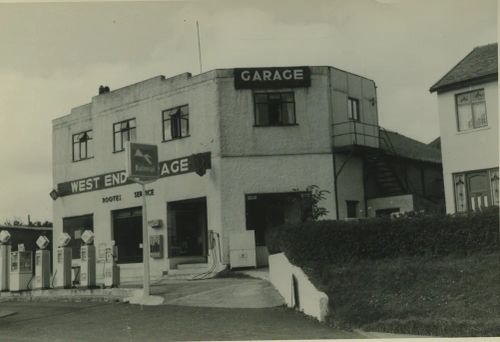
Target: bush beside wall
426 275
326 242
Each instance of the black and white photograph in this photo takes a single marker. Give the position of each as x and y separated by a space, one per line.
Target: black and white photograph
219 170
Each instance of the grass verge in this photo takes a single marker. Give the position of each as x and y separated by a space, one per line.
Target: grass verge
446 296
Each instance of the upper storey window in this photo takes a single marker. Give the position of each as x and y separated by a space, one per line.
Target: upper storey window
82 145
471 110
274 109
353 109
175 123
123 131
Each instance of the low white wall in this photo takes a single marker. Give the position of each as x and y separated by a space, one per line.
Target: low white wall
403 202
311 301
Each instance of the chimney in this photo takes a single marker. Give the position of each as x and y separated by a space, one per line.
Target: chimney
103 89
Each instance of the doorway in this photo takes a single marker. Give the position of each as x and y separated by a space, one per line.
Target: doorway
127 233
265 211
187 229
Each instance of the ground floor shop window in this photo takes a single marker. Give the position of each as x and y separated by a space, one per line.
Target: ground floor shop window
264 211
75 226
127 233
475 189
187 228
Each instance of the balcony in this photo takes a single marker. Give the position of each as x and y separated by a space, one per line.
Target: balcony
355 135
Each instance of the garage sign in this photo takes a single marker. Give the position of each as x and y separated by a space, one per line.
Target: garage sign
167 168
272 78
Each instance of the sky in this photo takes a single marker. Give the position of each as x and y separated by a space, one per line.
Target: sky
54 56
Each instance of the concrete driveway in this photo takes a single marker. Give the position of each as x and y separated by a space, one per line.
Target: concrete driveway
234 292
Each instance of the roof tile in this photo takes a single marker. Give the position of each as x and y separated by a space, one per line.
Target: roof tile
480 62
402 146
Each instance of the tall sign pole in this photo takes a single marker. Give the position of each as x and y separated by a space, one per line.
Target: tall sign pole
142 168
145 242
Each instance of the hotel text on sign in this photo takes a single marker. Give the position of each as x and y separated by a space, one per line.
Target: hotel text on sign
265 78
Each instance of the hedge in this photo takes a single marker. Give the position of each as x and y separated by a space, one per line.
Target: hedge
329 241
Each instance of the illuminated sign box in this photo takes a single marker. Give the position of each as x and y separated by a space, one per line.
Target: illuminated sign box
272 78
142 161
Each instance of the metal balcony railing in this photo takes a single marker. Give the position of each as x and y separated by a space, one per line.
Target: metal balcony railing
355 133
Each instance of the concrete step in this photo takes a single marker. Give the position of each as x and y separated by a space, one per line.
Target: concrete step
192 266
188 271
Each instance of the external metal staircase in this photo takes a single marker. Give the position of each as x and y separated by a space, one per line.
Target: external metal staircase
384 176
374 144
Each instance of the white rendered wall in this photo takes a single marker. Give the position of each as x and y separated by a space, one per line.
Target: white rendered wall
467 150
250 175
403 202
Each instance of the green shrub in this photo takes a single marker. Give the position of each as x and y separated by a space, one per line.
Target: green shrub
327 242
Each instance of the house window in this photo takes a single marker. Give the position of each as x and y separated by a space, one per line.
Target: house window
475 190
460 197
352 109
274 109
175 123
471 110
82 146
123 131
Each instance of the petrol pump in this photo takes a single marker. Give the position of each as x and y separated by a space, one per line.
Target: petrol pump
87 260
4 260
63 262
21 269
111 269
42 264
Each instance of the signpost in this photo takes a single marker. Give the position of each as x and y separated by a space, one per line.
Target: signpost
142 168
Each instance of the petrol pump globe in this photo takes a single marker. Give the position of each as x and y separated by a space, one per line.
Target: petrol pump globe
4 237
88 237
42 242
63 240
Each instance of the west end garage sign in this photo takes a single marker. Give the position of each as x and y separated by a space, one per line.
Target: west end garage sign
167 168
266 78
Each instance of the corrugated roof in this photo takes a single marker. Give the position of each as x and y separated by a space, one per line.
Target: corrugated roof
480 64
409 148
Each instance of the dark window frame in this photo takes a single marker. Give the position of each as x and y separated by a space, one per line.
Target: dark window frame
76 244
175 113
118 129
353 115
172 229
305 206
281 103
79 142
472 110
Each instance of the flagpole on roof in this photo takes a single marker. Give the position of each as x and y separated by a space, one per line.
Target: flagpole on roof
199 45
